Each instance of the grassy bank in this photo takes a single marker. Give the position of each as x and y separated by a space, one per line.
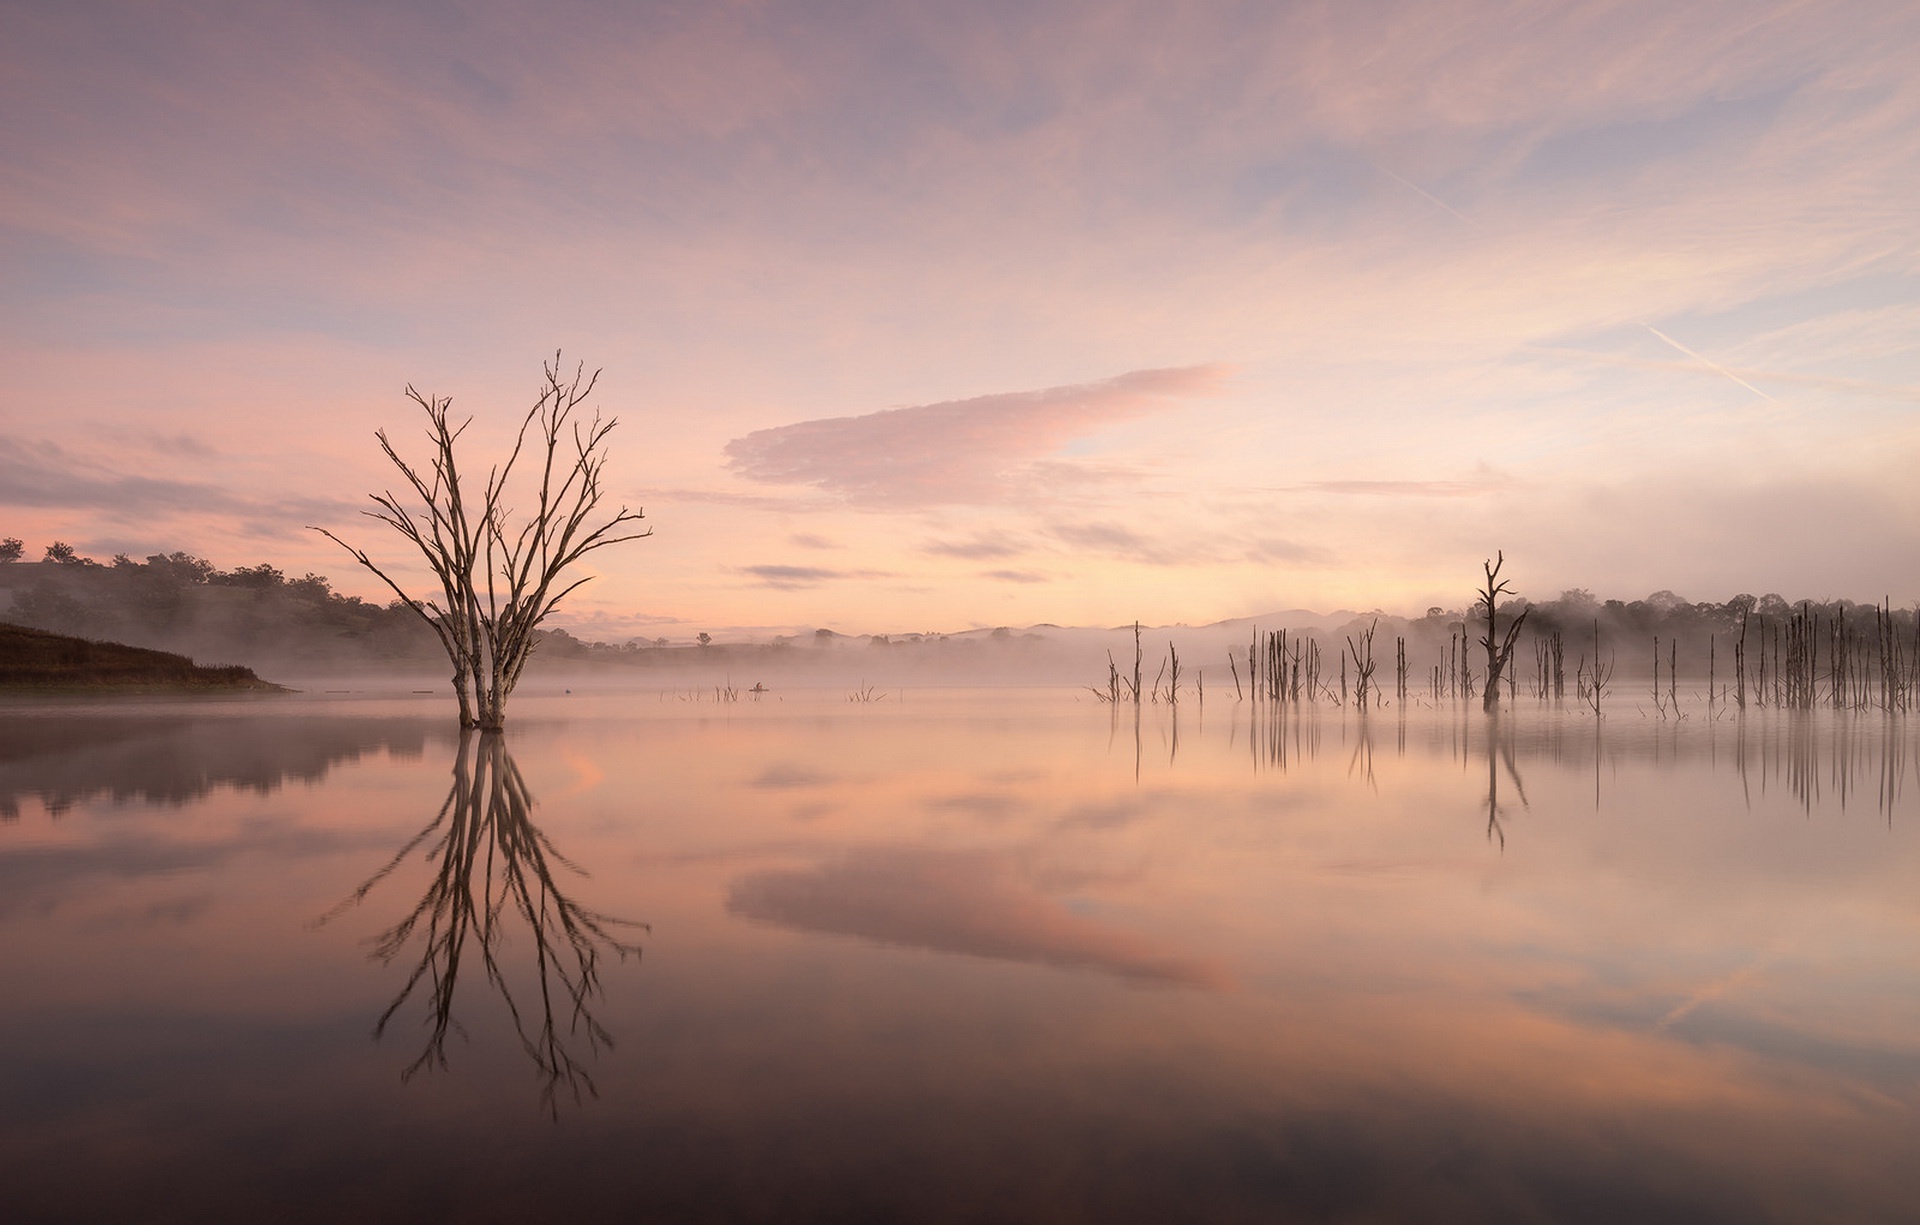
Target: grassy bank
36 661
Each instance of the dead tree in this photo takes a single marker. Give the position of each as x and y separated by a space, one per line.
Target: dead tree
500 580
1499 647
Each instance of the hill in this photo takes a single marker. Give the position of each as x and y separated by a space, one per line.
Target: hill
32 659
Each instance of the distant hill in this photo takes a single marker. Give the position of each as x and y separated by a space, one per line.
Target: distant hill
32 659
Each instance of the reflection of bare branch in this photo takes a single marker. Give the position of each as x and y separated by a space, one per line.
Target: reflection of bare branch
491 864
1500 750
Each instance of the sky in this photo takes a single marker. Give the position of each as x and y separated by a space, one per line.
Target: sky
936 316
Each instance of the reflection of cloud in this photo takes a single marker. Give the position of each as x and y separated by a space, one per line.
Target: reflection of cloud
43 877
782 776
1711 991
977 903
959 451
988 805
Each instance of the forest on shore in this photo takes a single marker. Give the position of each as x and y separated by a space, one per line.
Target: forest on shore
260 617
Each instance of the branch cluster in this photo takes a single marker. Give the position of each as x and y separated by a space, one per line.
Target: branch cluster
498 580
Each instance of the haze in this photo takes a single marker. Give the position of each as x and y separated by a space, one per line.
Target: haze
922 317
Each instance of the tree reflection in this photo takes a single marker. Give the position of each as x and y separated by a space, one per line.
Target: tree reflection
493 873
1500 751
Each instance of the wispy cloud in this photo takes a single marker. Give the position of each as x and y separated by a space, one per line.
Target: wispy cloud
45 475
1118 540
957 451
980 548
1410 489
791 578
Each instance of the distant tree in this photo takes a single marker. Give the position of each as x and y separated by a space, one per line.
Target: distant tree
11 548
499 580
180 567
62 552
311 587
704 638
258 577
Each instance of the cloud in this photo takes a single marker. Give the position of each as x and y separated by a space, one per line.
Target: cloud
43 475
1274 548
976 903
807 540
958 451
789 578
1117 540
1409 489
980 548
1014 576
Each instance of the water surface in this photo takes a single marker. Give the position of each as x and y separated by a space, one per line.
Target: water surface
954 956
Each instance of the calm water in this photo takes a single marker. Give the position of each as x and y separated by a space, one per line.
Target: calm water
954 957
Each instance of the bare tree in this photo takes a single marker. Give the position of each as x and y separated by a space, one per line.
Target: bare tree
498 580
1499 647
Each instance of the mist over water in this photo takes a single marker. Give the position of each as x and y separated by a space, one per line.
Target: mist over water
946 954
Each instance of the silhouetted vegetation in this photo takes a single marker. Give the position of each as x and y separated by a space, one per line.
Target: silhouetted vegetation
38 660
183 603
500 580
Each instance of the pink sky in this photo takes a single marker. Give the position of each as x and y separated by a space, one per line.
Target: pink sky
927 317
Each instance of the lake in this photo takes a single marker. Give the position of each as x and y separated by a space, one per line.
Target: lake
991 955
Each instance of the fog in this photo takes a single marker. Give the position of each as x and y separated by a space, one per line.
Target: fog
299 632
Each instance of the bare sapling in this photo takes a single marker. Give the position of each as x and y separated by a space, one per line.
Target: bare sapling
1590 685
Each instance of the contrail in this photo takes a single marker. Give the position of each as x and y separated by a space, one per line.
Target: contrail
1861 387
1708 362
1431 198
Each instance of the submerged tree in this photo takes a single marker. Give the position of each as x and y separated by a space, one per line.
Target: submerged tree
1499 647
499 580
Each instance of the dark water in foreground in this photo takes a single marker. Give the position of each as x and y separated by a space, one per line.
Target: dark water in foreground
955 957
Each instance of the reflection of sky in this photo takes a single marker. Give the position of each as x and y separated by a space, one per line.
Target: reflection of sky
1424 246
1226 983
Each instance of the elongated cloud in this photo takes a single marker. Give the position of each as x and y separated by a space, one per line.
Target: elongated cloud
46 475
788 578
958 451
956 902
